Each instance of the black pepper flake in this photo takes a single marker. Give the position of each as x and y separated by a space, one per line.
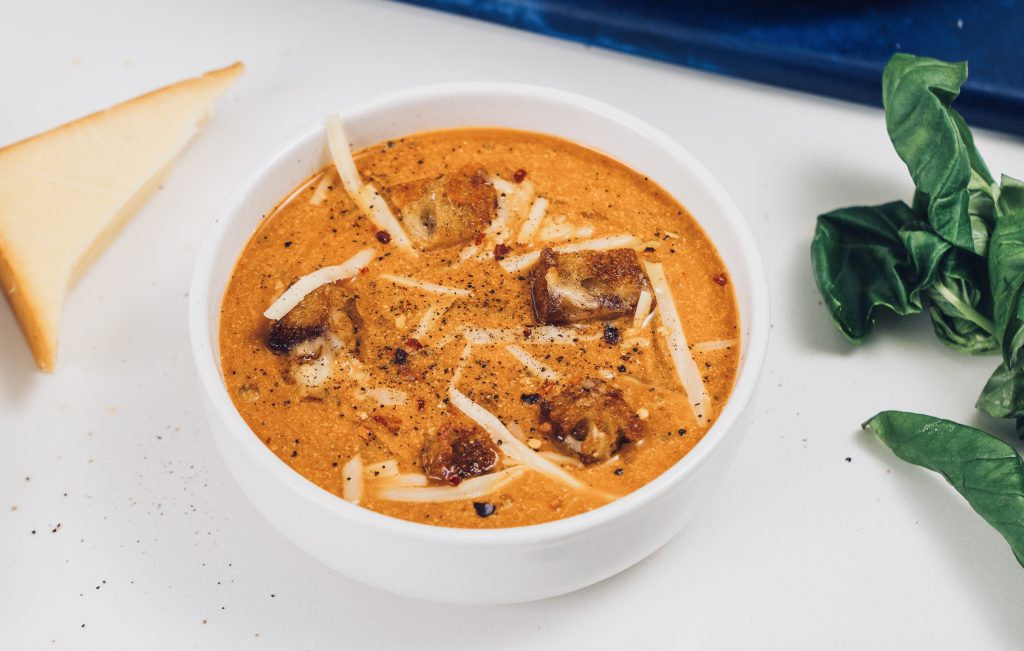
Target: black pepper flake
618 472
401 357
483 509
622 368
849 459
519 175
383 237
295 453
287 244
682 431
611 334
648 249
721 280
530 398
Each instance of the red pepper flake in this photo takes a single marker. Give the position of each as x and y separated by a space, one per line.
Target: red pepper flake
421 405
519 175
364 271
406 372
721 280
500 251
414 344
392 425
383 237
479 239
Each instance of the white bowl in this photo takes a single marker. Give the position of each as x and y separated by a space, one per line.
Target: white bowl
466 565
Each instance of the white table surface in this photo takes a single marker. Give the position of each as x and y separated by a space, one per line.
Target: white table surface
120 526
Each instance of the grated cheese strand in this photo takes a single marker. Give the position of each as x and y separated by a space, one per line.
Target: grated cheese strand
516 263
643 308
377 209
312 281
341 152
387 468
507 442
533 365
428 321
718 344
364 195
320 191
352 472
533 221
468 489
405 281
686 367
538 335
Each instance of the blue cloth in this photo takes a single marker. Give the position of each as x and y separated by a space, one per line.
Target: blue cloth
827 47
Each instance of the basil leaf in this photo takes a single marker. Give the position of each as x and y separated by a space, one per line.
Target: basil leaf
1003 395
865 257
985 470
1006 270
937 147
961 309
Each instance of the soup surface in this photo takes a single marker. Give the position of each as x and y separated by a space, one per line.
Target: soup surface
507 356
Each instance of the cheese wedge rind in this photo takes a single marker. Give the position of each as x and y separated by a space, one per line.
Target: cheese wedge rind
64 194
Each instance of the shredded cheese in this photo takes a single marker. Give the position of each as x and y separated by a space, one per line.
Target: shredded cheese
719 344
401 479
352 489
314 373
562 459
507 443
512 201
405 281
538 335
686 367
467 352
501 185
533 365
516 263
468 252
376 208
387 468
468 489
320 191
341 151
428 321
387 397
310 282
533 220
364 195
643 308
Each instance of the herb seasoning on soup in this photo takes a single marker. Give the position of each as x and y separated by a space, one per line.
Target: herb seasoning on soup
479 328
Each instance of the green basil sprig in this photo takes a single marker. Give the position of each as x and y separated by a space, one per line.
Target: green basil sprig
985 470
960 247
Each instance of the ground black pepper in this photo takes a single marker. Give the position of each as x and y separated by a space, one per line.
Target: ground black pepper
611 334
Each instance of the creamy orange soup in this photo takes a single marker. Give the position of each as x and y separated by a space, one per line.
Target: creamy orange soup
507 356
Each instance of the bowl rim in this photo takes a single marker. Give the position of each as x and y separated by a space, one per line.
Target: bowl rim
218 399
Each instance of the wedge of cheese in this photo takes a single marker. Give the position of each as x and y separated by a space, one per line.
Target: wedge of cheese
64 194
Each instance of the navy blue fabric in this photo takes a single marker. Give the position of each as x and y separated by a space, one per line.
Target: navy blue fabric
828 47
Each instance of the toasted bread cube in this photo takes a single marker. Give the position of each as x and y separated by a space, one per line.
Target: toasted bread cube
586 285
450 210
